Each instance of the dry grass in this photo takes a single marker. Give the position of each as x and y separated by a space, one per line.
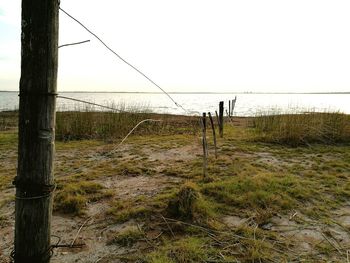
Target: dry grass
304 128
87 123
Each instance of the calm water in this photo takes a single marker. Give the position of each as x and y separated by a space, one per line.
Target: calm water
247 104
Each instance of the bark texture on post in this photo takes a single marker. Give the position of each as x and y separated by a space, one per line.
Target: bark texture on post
34 181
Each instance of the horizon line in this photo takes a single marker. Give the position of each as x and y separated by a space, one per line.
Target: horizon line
201 92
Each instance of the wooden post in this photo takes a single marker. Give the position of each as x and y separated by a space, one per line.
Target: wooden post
221 119
34 182
214 134
229 107
217 118
229 118
233 105
205 147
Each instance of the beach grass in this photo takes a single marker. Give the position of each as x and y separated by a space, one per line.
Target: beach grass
87 123
302 128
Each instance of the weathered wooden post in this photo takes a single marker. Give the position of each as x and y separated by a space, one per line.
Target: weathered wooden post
34 182
217 118
229 107
205 147
214 134
233 105
221 119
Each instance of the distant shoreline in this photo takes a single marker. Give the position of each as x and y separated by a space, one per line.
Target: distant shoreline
233 93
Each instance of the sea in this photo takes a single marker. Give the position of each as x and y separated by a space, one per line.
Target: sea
247 104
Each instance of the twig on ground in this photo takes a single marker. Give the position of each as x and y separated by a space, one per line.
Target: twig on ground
145 236
326 238
80 228
171 231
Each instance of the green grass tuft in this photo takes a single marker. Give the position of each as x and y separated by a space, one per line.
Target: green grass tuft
188 204
127 237
72 197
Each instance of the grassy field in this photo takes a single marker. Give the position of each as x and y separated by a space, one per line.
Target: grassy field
266 198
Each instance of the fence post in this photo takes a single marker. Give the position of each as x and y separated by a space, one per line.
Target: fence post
233 105
229 107
205 146
221 119
214 134
217 118
36 134
228 116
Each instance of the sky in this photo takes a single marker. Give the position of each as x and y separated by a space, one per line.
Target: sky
194 45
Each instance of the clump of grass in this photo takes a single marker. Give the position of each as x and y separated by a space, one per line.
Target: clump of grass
129 168
188 204
72 198
302 128
191 249
127 237
122 211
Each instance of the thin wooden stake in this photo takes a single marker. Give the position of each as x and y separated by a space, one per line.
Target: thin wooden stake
231 110
214 134
229 107
205 147
233 105
217 118
229 117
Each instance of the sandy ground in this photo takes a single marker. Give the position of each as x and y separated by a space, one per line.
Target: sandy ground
93 232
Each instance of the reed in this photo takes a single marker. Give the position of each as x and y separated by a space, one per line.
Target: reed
89 123
302 128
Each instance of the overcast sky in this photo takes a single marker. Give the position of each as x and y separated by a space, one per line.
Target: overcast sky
190 45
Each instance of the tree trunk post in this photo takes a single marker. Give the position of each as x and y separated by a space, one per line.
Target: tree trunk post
221 119
36 135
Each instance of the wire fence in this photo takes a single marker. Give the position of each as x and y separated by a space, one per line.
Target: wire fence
124 60
92 103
